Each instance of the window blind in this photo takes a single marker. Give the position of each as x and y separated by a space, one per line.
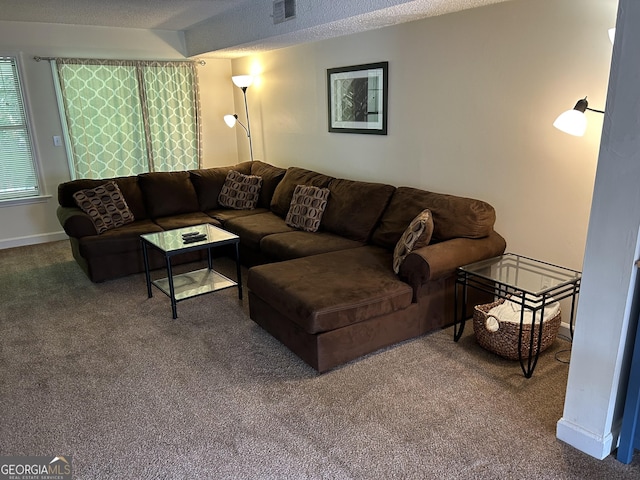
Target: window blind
18 178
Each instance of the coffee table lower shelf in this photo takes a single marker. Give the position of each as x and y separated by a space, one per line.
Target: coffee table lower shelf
192 284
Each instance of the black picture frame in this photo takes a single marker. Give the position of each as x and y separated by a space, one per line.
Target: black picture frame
358 98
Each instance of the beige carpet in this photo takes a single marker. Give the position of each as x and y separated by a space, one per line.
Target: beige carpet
102 373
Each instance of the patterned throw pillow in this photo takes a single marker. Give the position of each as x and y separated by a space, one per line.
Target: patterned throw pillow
105 205
306 208
240 192
417 235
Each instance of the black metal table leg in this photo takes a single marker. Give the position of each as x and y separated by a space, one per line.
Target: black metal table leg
146 268
172 292
458 327
535 340
238 271
573 309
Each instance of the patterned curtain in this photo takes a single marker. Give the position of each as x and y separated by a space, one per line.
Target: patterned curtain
173 117
129 117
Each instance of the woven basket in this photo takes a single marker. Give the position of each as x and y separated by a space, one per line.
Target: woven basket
504 341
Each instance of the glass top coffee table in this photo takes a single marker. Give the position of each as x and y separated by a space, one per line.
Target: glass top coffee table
535 284
198 282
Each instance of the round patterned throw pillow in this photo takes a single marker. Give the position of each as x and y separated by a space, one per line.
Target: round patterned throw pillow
418 234
105 205
306 208
240 192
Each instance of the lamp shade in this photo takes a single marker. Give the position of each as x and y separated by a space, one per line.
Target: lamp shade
242 81
230 120
573 122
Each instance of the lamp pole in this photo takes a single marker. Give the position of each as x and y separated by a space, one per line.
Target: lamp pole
246 111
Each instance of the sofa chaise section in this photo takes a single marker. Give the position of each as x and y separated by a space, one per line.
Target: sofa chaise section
331 308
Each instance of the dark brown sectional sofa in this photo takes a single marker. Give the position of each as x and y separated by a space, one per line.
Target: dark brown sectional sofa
330 296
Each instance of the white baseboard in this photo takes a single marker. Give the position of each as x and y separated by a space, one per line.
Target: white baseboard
32 239
590 443
565 330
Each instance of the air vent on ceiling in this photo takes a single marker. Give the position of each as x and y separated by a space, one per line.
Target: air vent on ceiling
283 10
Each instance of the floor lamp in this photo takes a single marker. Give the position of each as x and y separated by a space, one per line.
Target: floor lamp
242 81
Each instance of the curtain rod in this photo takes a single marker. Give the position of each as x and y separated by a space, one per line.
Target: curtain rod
199 62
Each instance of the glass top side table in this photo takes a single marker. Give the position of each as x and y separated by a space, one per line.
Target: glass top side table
534 283
190 284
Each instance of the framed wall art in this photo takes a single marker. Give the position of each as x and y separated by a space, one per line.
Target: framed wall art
358 98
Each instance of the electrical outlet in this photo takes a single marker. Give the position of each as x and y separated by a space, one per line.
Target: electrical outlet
546 282
57 140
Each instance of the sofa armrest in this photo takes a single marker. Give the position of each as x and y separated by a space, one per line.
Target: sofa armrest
441 259
75 222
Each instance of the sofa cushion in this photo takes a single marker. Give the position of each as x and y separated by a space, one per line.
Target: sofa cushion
208 183
307 206
120 240
168 193
185 220
452 216
240 192
128 186
332 290
354 208
417 235
105 206
295 176
223 215
252 228
271 177
288 245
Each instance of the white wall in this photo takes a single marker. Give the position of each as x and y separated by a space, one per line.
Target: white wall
472 96
37 222
219 143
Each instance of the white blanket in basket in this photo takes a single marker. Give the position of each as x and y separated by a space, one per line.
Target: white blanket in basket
509 311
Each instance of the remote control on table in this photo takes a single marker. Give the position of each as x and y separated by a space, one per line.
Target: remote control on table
194 238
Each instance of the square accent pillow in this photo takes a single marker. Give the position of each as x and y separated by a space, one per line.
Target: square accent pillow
417 235
105 205
306 208
240 192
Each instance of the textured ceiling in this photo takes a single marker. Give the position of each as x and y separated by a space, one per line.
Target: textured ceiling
248 28
231 28
147 14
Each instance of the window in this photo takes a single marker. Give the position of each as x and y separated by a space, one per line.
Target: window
18 175
129 117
